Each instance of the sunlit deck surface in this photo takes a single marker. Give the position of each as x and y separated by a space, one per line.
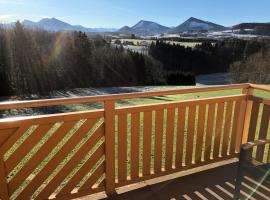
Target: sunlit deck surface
211 184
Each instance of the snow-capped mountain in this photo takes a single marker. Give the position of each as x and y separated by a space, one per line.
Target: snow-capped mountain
144 28
196 25
53 24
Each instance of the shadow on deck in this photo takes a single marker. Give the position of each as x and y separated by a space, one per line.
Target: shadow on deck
212 184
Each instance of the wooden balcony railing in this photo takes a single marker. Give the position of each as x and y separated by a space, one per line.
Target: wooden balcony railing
70 155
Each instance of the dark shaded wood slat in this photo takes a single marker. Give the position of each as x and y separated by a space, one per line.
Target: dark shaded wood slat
200 133
234 128
169 138
263 131
147 140
158 140
122 147
253 121
135 144
180 136
227 128
209 131
218 130
190 134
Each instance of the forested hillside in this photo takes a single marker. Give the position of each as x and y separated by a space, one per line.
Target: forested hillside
39 62
206 58
253 69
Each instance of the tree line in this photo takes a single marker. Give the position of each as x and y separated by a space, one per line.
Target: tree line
209 57
37 61
254 68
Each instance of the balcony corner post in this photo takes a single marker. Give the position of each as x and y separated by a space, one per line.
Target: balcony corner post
249 92
109 119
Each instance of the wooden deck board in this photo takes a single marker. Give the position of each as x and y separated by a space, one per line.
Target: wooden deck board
212 184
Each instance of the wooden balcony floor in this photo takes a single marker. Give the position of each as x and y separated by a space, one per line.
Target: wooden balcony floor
213 184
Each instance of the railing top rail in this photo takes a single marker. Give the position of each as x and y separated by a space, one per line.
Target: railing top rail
101 98
260 87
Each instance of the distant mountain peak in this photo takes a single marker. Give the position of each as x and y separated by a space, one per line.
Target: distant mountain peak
193 18
144 27
54 24
194 24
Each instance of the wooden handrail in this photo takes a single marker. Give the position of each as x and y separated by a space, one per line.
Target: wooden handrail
112 97
260 87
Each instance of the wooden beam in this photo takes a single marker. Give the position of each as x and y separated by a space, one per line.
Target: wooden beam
110 147
249 103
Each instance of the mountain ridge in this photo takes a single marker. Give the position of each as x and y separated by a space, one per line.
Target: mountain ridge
144 27
54 24
194 24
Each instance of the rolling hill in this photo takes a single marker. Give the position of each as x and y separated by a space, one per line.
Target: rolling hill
53 24
144 28
196 25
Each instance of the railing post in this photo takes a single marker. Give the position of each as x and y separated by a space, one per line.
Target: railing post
239 177
109 107
4 193
249 91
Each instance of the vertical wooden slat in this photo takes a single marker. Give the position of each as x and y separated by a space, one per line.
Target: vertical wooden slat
180 136
190 134
218 130
253 121
158 140
169 137
263 131
200 133
227 128
135 144
249 103
234 128
109 107
122 147
240 125
4 193
147 138
209 131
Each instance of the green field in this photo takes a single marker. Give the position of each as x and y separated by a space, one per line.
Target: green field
138 41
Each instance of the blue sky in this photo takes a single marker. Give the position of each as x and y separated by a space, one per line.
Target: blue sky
117 13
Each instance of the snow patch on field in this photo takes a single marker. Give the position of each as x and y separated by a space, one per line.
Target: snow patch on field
214 79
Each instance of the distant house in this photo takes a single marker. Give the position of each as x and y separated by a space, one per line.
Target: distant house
128 43
144 43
